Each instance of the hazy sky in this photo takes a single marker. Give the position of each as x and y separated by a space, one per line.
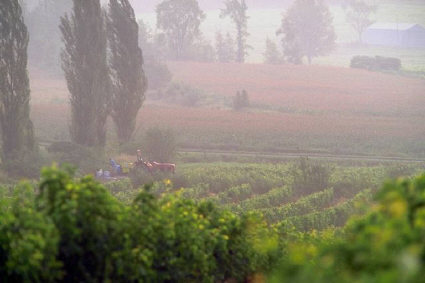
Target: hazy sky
149 5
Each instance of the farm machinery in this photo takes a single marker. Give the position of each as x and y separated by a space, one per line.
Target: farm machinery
118 171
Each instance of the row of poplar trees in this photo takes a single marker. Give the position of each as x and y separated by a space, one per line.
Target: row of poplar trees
102 63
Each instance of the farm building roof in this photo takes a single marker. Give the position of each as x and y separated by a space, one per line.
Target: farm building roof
393 26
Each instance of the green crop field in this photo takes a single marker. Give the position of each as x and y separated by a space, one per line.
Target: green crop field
300 191
318 217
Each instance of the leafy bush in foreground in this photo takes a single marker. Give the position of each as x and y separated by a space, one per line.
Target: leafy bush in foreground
387 245
75 230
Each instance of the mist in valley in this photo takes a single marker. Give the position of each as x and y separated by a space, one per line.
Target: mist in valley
212 141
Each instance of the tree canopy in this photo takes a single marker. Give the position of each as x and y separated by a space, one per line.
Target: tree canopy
180 21
75 230
307 31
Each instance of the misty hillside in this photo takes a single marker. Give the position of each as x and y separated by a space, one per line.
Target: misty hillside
216 141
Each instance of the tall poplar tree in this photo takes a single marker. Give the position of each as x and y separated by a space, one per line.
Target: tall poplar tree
16 126
128 78
84 61
236 10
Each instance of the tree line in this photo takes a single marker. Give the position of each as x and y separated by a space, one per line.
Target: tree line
178 36
306 31
102 86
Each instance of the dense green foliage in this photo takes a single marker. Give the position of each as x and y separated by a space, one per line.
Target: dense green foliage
78 230
304 205
386 245
308 194
75 230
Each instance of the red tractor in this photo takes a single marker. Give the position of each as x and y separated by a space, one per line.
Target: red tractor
153 167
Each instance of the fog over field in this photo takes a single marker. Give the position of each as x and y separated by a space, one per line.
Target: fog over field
212 141
265 16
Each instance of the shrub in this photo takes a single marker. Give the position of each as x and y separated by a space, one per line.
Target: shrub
388 63
75 231
119 186
386 245
85 158
87 218
28 240
241 100
376 63
157 73
27 164
140 177
363 62
180 94
310 177
159 144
